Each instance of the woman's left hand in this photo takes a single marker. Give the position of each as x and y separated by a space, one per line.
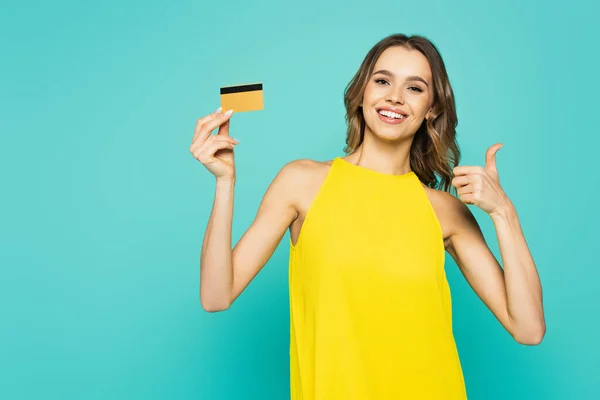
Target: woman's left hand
480 185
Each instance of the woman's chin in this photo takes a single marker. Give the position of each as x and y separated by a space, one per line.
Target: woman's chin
390 135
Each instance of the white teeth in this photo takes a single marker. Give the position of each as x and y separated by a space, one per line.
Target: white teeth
391 114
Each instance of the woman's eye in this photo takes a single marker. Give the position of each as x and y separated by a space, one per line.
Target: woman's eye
412 88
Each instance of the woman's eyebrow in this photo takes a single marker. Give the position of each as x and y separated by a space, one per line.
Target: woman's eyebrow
408 78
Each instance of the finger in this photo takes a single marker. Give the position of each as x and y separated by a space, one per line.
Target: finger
224 129
198 144
220 145
465 169
465 190
461 180
468 198
202 146
203 120
209 151
210 125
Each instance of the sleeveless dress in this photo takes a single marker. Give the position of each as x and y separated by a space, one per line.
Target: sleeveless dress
370 306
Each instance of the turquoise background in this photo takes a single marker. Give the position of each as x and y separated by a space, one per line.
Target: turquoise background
103 208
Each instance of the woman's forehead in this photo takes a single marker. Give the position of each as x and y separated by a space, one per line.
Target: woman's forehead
401 61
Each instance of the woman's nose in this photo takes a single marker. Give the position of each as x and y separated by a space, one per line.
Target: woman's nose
396 97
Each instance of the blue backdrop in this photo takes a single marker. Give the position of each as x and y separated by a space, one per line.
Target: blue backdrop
103 208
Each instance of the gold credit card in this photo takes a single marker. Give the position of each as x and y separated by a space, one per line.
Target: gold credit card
246 97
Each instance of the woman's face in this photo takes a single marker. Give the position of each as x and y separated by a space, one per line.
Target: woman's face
401 82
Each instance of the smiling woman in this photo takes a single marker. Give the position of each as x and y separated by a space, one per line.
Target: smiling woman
370 308
370 305
412 72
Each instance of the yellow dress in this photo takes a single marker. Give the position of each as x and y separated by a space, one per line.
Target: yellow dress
370 305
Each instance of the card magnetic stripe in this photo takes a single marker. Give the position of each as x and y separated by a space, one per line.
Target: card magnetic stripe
241 88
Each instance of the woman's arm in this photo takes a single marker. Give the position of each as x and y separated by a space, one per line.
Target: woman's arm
523 286
225 273
513 294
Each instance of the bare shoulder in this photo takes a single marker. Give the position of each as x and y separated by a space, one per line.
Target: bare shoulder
304 178
304 167
449 210
304 171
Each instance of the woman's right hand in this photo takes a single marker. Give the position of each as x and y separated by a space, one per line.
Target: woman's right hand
215 152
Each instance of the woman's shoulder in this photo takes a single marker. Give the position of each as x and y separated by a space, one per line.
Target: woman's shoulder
304 168
300 179
441 199
307 163
304 175
449 210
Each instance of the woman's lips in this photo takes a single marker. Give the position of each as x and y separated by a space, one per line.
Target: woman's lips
391 121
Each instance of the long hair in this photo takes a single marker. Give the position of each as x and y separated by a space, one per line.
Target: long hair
434 148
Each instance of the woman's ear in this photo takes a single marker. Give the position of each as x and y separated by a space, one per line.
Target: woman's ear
429 113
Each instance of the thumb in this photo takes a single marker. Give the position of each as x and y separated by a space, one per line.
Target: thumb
490 157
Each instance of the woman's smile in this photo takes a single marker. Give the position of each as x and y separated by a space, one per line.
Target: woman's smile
388 119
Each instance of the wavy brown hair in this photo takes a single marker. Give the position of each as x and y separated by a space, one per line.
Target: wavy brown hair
434 149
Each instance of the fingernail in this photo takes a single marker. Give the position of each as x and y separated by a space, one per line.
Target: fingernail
229 112
235 140
218 110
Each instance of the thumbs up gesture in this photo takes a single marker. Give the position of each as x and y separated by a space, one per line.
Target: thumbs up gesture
481 185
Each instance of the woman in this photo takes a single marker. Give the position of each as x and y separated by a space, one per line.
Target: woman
370 306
